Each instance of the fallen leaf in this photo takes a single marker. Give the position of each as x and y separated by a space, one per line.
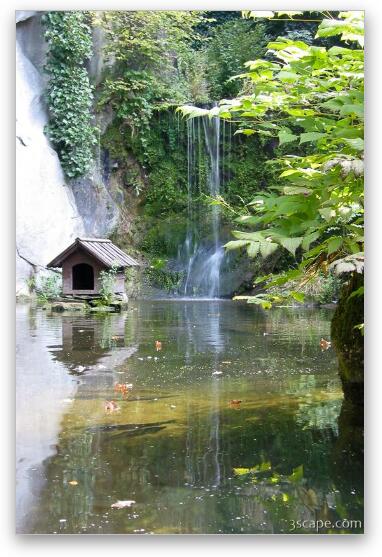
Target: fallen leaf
111 406
235 402
325 344
122 504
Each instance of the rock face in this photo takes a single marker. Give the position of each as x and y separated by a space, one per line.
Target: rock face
47 217
51 211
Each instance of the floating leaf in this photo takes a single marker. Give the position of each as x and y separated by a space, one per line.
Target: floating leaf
241 471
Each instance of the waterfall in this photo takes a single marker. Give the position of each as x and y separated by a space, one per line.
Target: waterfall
203 261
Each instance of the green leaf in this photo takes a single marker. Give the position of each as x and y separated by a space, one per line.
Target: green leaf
297 474
245 132
291 244
265 304
263 278
235 244
359 292
311 136
327 213
334 244
241 471
289 77
297 190
356 109
298 296
267 248
253 249
286 137
356 143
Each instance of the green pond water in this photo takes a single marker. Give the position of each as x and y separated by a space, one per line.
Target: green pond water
177 446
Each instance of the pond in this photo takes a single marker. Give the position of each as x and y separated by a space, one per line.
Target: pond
180 444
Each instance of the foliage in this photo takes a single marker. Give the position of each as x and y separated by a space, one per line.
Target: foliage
150 51
31 283
322 289
232 44
311 96
69 94
107 280
160 277
48 287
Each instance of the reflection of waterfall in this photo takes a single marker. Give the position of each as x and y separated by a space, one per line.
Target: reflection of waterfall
206 471
203 260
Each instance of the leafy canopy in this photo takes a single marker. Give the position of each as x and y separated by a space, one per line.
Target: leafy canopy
311 96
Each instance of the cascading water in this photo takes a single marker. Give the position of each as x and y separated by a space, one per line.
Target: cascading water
203 261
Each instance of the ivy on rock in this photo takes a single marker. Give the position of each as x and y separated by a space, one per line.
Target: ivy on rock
69 93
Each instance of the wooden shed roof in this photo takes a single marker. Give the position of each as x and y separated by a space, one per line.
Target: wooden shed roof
101 249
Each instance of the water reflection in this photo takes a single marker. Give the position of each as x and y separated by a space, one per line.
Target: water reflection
176 444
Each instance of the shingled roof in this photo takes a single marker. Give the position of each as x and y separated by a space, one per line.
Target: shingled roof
102 249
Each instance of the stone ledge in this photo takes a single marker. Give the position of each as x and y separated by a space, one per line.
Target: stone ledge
68 306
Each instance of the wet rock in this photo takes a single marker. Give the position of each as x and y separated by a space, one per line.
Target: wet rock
68 306
119 305
102 309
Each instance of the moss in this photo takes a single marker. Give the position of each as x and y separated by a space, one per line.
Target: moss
348 339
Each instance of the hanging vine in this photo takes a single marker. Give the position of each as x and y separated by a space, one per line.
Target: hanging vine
69 93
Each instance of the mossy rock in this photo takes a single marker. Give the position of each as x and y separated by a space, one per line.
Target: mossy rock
348 340
68 306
